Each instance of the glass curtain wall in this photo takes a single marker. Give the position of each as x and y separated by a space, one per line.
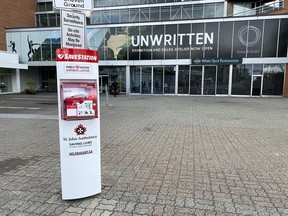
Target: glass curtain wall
196 80
158 80
115 73
158 13
48 79
273 79
209 86
222 79
135 79
5 80
241 80
146 80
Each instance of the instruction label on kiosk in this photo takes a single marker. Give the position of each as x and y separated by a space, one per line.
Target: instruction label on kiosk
79 123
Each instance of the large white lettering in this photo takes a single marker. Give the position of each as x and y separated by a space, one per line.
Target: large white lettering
168 39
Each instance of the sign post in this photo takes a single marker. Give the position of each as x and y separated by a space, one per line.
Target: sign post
78 104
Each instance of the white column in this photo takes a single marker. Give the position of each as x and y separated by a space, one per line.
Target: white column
230 80
16 87
176 79
127 79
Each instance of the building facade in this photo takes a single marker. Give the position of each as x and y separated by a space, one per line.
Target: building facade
14 14
165 47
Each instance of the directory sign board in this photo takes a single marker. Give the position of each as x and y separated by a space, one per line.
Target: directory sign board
85 5
79 122
72 29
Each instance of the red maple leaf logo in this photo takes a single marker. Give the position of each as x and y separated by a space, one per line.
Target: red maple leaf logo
80 130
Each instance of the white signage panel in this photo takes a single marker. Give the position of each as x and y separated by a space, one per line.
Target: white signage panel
72 29
85 5
79 122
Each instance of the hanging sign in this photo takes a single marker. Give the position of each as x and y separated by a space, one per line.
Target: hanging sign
72 29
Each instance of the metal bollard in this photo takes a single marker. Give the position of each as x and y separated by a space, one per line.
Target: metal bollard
107 95
129 93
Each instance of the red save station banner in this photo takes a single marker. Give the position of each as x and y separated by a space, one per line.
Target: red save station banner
76 55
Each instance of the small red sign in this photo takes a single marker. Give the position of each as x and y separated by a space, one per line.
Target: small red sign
76 55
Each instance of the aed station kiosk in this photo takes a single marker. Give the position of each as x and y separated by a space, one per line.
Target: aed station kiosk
79 122
78 104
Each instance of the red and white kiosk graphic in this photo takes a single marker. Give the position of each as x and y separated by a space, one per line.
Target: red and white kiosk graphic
79 122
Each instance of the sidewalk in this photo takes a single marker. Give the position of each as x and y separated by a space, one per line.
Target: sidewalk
160 156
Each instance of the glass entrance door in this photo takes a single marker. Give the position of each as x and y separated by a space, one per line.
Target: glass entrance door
203 80
209 86
196 80
169 80
256 85
146 80
158 80
103 80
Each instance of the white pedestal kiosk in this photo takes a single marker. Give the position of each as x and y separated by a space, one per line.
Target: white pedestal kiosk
79 122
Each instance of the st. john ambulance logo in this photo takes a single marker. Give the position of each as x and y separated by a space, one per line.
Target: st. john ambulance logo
80 130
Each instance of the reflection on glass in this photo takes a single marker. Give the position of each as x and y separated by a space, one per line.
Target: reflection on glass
48 80
52 20
95 17
158 80
154 14
209 80
196 80
5 80
43 20
146 80
135 79
106 16
134 15
187 12
113 73
257 69
96 41
209 10
198 11
165 13
183 80
222 79
219 9
243 8
241 79
115 17
144 14
256 85
273 79
124 14
45 50
169 80
175 12
121 76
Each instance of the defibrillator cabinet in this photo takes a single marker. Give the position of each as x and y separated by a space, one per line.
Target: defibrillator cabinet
79 100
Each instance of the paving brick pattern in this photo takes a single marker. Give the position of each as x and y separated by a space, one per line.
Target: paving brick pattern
160 156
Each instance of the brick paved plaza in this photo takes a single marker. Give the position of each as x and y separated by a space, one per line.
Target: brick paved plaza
160 156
